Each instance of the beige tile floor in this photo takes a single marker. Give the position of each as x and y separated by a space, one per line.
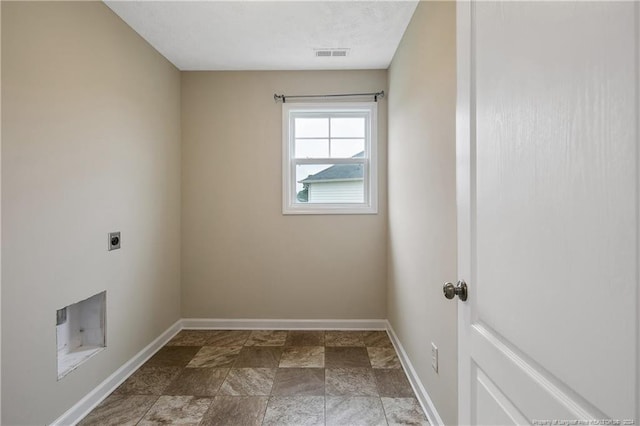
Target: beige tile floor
232 377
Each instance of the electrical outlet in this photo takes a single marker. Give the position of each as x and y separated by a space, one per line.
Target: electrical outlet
114 241
434 357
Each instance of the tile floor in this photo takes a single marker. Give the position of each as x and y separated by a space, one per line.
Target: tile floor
233 377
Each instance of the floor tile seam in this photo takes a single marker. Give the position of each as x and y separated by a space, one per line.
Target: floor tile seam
223 380
148 409
325 400
386 418
207 410
266 406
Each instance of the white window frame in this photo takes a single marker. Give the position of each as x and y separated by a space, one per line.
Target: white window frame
369 161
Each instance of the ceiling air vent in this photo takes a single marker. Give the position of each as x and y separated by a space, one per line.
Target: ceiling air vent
327 53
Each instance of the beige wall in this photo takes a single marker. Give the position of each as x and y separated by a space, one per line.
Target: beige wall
0 208
422 203
91 144
241 258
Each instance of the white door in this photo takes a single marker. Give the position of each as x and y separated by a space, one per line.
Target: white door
548 181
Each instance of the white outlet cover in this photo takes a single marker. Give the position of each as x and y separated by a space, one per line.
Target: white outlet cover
434 357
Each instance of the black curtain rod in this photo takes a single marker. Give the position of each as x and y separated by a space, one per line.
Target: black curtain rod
284 98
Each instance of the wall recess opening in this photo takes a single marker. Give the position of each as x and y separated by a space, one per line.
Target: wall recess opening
80 332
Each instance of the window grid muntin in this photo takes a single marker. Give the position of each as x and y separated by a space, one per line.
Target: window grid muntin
366 114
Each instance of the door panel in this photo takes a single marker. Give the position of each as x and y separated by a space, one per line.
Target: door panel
533 392
494 407
548 188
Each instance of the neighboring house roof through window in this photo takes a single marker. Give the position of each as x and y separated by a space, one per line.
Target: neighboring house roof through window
338 172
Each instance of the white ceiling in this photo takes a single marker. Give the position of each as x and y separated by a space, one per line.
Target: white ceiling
269 35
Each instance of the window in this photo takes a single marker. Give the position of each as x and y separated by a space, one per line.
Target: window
329 158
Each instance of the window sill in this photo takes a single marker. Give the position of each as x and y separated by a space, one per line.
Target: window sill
327 210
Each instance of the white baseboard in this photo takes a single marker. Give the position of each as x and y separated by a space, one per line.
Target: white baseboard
283 324
418 388
104 389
